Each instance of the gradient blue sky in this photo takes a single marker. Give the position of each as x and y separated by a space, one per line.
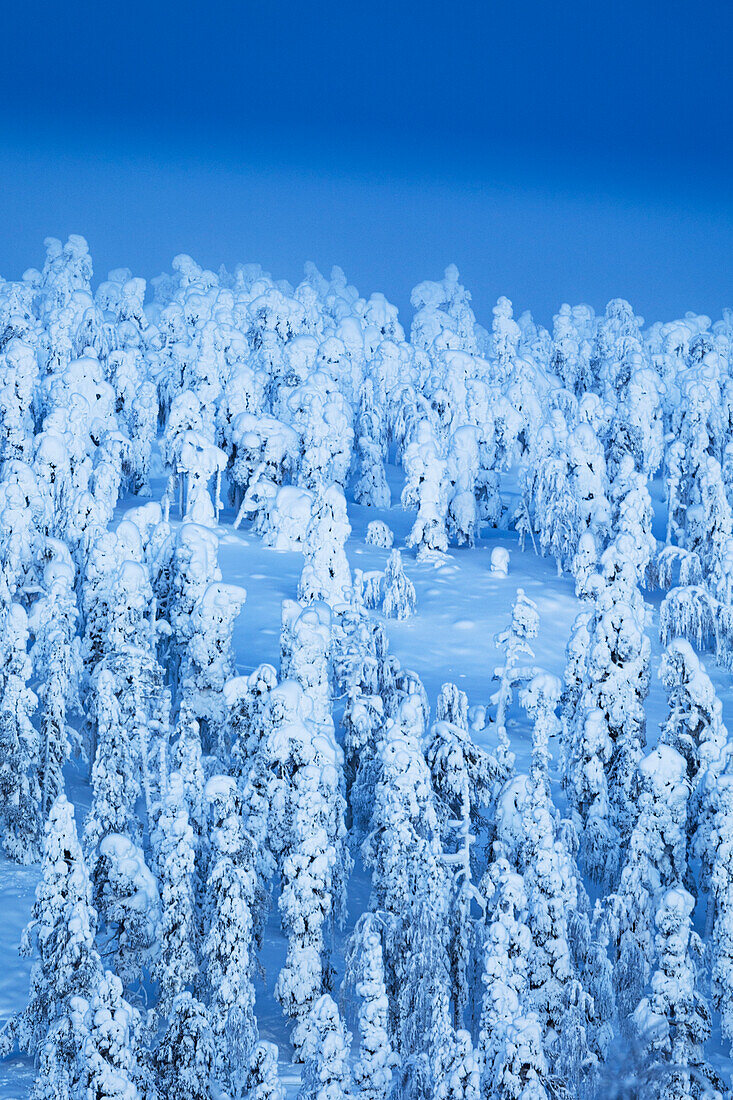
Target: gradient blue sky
554 151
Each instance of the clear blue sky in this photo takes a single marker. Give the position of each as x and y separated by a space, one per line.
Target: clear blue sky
554 151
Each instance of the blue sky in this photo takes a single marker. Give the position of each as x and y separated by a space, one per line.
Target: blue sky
554 151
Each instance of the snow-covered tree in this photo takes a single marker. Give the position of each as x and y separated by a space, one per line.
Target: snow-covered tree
399 591
60 934
505 944
176 966
20 786
326 1074
675 1019
262 1081
465 780
127 900
427 489
313 861
228 947
370 485
115 783
721 886
656 858
208 661
694 726
305 654
56 658
373 1071
114 1062
379 534
552 889
520 1070
515 643
184 1057
326 574
606 682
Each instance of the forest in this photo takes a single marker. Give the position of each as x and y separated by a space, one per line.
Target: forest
363 692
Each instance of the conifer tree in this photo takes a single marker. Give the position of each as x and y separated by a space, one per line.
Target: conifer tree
399 591
674 1019
56 658
262 1082
373 1071
326 1074
61 934
20 787
228 948
656 858
114 1062
176 966
515 643
184 1058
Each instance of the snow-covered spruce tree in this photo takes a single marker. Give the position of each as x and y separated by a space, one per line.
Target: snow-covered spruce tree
322 418
114 1061
56 659
694 723
459 1075
426 1039
184 1057
399 591
362 722
674 1019
184 573
687 455
18 381
606 682
465 780
520 1070
176 966
565 489
722 905
115 787
128 651
570 352
374 1067
262 1081
694 727
637 426
552 889
656 858
314 864
187 758
515 643
426 488
59 1062
326 1074
631 513
409 883
326 574
20 787
252 760
709 526
228 949
463 470
60 933
305 655
127 901
208 662
370 479
505 945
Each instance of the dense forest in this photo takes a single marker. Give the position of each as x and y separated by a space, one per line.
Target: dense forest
521 894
